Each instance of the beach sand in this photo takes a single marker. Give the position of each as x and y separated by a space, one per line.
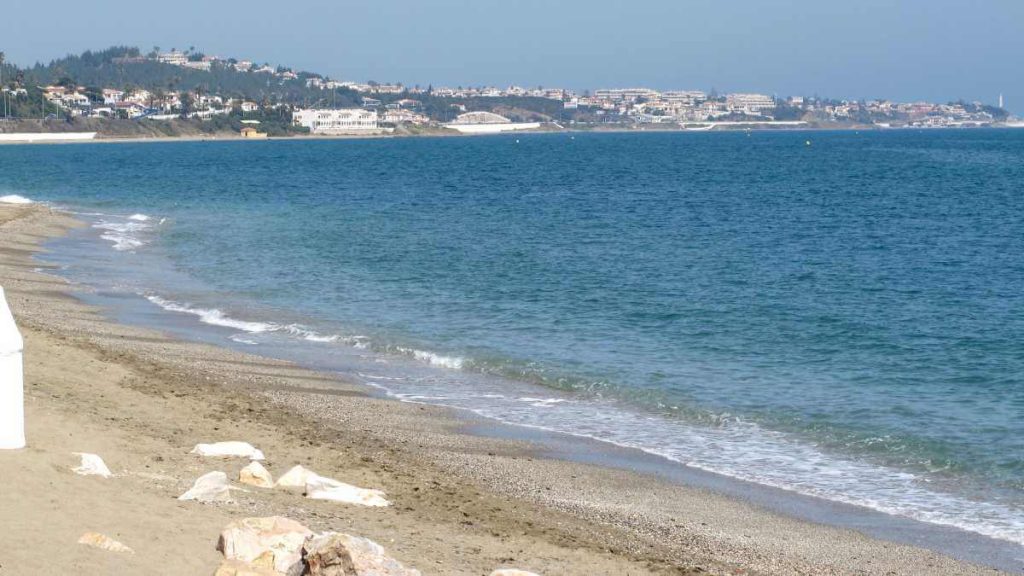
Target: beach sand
462 504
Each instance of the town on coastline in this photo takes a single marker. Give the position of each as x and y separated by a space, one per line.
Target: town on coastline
123 92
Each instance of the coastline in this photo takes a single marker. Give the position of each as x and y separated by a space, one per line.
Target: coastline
465 504
231 137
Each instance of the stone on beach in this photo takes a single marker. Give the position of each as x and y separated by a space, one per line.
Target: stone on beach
97 540
256 475
92 465
273 542
321 488
296 477
230 449
211 487
335 554
512 572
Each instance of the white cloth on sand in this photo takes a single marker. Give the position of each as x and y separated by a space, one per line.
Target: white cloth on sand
320 488
92 465
233 449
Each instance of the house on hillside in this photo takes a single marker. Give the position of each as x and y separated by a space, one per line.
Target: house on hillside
112 96
129 110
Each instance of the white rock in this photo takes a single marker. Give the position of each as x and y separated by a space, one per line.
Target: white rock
92 465
512 572
212 487
295 478
256 475
334 554
233 449
279 538
97 540
321 488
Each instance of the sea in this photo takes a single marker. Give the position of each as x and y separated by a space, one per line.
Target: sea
838 315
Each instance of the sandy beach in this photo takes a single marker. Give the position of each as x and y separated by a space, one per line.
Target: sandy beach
462 503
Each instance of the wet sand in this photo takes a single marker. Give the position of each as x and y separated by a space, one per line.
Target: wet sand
462 503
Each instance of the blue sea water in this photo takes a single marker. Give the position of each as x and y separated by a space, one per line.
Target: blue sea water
842 318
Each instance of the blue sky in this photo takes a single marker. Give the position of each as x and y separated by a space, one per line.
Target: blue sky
910 49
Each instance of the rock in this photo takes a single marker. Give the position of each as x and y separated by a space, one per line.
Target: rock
512 572
232 449
321 488
275 542
239 568
97 540
295 478
92 465
256 475
334 554
212 487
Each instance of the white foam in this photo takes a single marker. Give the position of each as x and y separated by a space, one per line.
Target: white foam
124 235
310 335
441 361
14 199
213 316
139 217
542 402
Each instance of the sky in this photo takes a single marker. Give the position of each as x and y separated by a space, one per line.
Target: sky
938 50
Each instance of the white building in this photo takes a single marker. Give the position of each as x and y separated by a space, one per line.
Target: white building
112 96
685 97
175 58
751 104
626 94
487 123
337 121
198 65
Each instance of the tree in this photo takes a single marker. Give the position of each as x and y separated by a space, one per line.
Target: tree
187 104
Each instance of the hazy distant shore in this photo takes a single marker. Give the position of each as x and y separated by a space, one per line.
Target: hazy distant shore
464 504
441 133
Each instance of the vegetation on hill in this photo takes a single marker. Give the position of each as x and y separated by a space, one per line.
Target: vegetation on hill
127 68
124 67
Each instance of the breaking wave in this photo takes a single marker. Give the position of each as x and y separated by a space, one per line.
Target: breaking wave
14 199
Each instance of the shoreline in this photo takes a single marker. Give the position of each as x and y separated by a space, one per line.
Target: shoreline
587 517
229 137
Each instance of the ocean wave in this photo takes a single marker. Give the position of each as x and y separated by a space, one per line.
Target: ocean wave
439 360
751 453
542 402
14 199
310 335
213 316
139 218
124 236
216 317
722 444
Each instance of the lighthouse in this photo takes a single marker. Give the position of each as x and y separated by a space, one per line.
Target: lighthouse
1000 100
